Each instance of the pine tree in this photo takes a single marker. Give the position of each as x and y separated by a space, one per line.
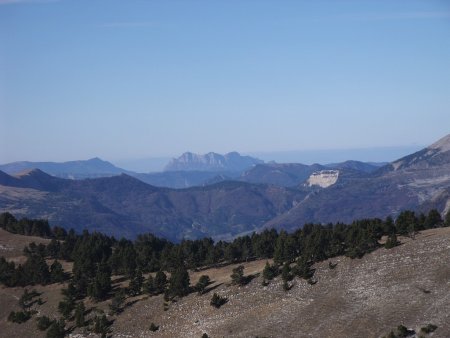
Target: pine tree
179 283
101 325
57 329
433 219
43 323
65 307
136 283
149 285
100 287
237 277
202 283
79 314
56 272
303 268
160 282
286 272
117 302
270 271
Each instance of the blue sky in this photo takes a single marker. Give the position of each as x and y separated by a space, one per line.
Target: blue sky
134 79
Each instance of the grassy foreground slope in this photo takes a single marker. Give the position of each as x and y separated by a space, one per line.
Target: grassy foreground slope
408 285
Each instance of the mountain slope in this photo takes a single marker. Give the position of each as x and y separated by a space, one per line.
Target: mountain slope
368 297
124 206
417 182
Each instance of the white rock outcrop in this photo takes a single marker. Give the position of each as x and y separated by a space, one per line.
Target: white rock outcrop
323 178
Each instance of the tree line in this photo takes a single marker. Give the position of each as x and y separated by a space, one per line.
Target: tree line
96 256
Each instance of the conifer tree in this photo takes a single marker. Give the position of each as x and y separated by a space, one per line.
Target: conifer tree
100 287
447 219
237 276
270 271
286 272
79 314
117 302
57 329
136 283
149 285
160 282
179 282
202 284
56 272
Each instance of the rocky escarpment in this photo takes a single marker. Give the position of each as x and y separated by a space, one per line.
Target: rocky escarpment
233 162
323 178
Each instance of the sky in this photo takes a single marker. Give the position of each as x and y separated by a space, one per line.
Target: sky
141 79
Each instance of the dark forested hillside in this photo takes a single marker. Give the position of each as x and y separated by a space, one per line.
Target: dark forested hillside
124 206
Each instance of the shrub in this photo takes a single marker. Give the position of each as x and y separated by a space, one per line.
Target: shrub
270 271
429 328
237 277
154 327
101 325
43 323
402 331
117 302
57 329
202 283
19 317
217 301
391 242
286 286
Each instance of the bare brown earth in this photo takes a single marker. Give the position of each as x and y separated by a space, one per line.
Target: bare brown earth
367 297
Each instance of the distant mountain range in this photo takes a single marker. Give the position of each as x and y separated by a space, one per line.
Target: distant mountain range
125 206
194 170
231 162
92 168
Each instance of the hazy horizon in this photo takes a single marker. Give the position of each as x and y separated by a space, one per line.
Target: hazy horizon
321 156
139 79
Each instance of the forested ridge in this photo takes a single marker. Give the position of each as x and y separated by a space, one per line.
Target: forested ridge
97 257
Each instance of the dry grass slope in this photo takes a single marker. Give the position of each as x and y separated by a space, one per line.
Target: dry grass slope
367 297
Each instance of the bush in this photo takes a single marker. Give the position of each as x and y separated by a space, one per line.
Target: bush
154 327
429 328
43 323
117 302
57 329
270 271
101 325
202 283
19 317
391 242
237 277
217 301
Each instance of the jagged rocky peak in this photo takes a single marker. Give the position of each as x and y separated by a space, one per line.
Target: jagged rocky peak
211 161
